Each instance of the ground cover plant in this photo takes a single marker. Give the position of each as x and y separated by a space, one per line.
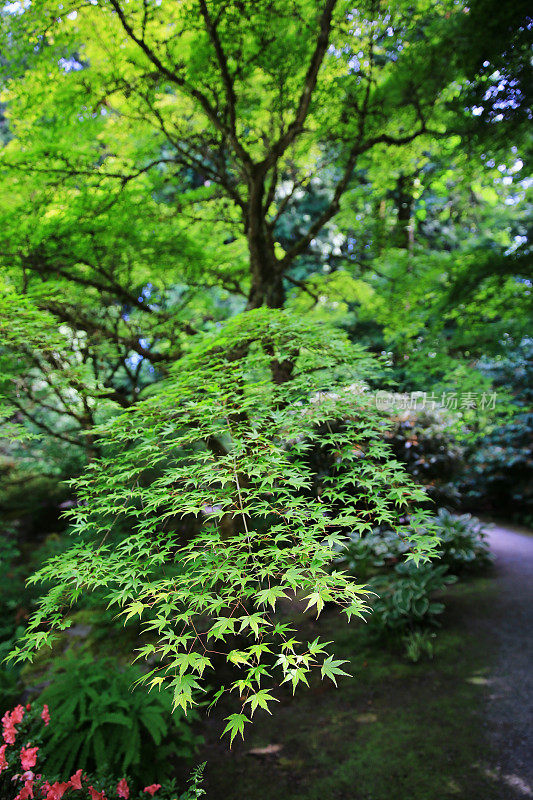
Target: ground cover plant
406 598
100 723
462 545
463 541
409 598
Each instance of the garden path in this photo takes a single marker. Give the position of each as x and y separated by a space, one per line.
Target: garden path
510 700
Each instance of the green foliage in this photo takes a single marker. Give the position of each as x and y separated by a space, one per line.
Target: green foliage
462 541
9 674
205 107
225 443
278 150
11 582
499 468
405 598
426 441
102 725
11 591
194 790
364 555
419 645
462 546
262 148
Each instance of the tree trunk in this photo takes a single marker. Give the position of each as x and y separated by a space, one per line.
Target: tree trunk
265 269
405 203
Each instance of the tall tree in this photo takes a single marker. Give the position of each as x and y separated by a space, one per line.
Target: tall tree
166 165
249 100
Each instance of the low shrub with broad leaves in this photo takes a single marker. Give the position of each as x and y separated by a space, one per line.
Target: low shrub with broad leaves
405 599
462 538
463 541
364 555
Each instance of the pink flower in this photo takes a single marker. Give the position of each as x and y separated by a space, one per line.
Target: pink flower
3 762
123 789
26 792
28 757
152 789
75 780
96 795
10 733
17 714
45 788
56 791
45 715
8 722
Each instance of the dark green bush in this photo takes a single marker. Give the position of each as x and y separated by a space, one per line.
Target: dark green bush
11 584
425 440
364 555
498 478
102 723
463 545
11 594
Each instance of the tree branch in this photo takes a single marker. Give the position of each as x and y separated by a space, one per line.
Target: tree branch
296 126
43 426
384 138
180 81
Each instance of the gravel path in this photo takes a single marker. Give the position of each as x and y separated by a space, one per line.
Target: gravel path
510 705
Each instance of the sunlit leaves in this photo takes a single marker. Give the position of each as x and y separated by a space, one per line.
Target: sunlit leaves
331 668
236 723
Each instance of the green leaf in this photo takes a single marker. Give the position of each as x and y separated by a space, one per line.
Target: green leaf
235 725
261 699
331 669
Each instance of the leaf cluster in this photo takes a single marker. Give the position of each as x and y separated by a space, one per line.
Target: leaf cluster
224 443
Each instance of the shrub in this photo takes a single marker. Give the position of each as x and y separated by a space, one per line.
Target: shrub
364 555
11 583
426 441
102 723
499 468
25 771
463 543
226 439
405 598
11 599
